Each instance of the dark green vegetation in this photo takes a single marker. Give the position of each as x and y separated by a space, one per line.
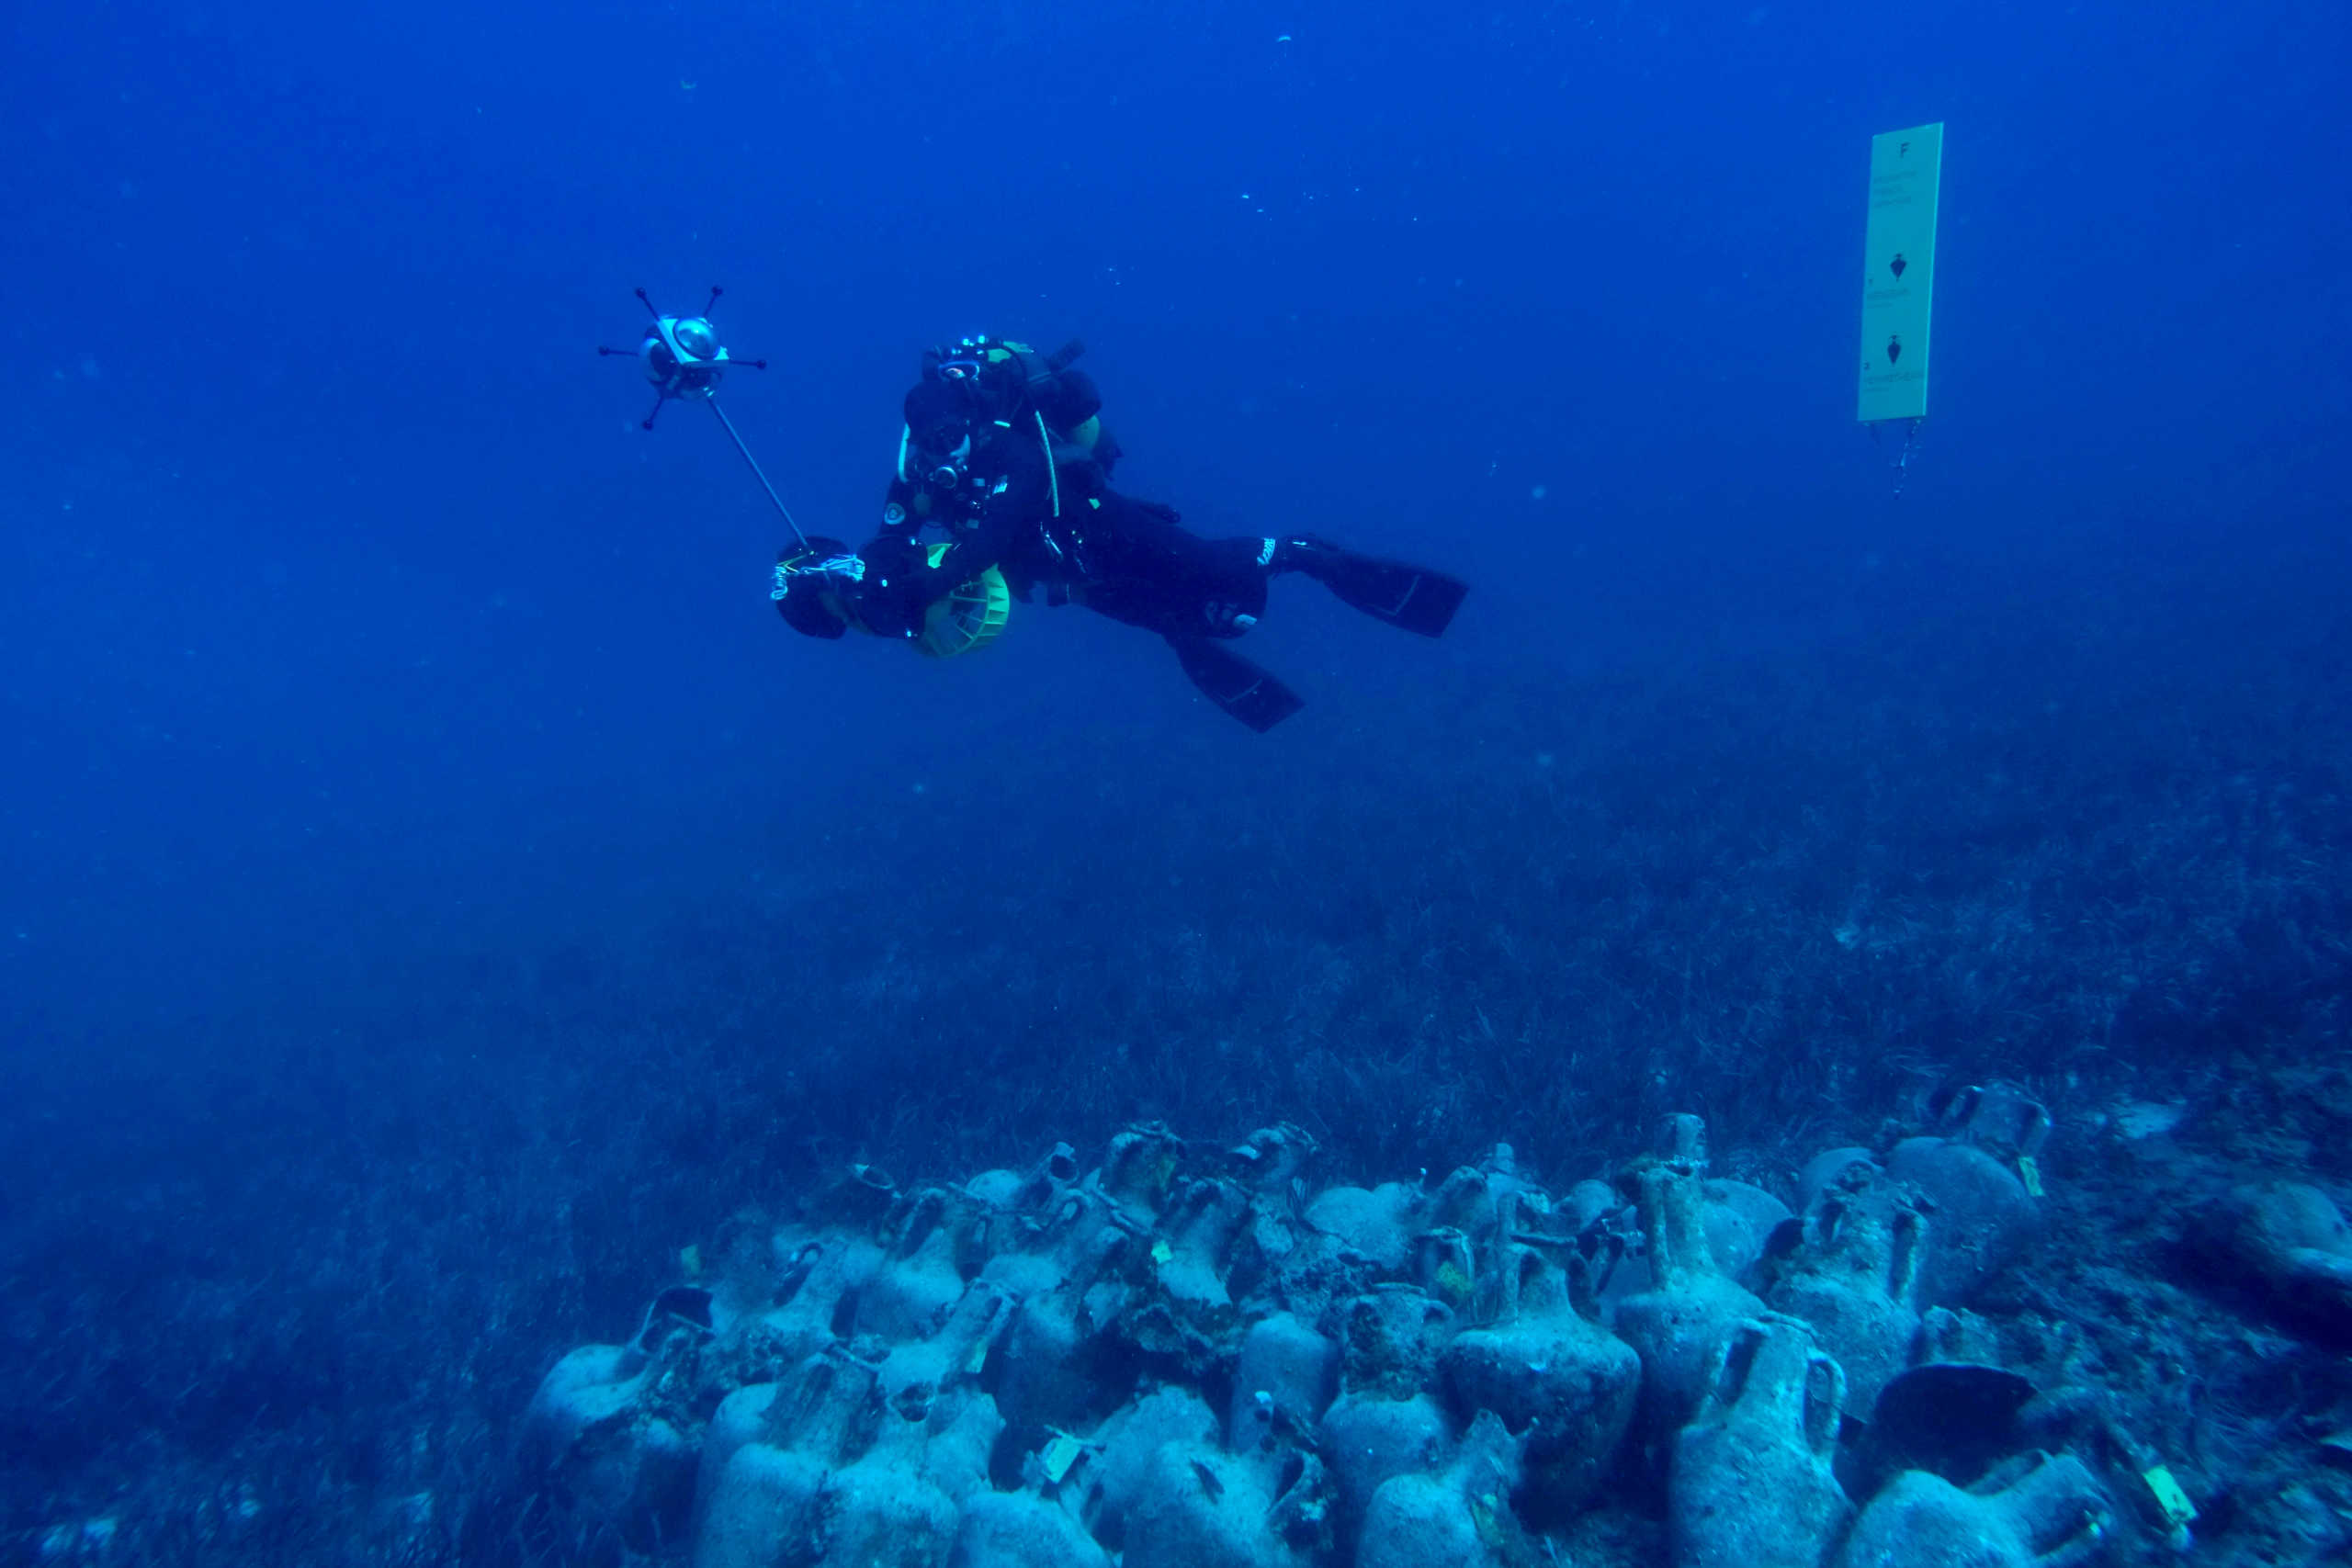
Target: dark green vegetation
2096 843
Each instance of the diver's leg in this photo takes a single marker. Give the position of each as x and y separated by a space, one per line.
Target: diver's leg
1227 577
1192 585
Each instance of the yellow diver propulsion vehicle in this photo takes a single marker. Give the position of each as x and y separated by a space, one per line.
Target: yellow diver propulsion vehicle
969 618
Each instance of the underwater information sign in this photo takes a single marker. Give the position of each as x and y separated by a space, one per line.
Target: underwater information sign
1899 271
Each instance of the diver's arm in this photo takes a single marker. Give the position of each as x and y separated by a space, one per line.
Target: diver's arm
897 586
894 586
901 582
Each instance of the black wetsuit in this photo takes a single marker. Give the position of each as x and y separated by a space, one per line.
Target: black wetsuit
1043 512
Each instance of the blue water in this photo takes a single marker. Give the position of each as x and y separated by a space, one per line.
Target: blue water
402 767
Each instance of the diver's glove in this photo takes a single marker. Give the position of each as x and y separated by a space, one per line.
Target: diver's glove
815 556
896 589
817 587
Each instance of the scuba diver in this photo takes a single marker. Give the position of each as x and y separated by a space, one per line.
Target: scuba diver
1003 486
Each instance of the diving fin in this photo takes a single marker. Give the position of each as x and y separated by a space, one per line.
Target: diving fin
1412 597
1234 684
